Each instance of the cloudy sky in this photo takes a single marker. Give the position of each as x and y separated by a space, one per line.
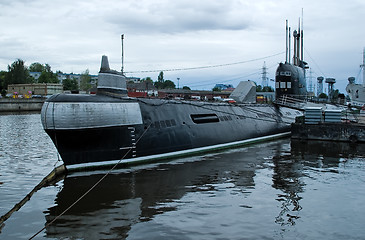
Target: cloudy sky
228 39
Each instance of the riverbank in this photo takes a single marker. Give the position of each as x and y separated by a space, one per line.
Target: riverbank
20 105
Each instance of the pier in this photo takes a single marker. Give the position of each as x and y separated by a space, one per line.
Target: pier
343 132
19 105
330 125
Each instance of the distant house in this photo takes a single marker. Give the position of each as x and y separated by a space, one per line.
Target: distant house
134 79
192 94
228 90
63 76
42 89
141 89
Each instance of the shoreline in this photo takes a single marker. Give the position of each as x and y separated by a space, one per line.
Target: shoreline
20 105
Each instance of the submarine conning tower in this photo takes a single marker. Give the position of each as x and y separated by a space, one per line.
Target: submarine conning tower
290 77
290 81
111 82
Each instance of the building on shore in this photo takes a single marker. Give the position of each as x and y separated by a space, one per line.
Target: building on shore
42 89
192 94
62 76
141 89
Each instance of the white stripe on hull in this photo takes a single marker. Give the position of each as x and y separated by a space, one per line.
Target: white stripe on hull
83 115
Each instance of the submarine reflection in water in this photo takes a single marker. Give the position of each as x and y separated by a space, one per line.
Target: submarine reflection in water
131 196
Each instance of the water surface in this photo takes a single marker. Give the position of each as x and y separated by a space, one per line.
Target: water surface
275 190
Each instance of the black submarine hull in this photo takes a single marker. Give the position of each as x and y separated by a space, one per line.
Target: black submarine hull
95 129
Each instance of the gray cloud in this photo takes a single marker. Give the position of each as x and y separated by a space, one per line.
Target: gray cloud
176 17
161 34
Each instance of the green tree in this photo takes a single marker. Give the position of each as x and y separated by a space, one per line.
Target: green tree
267 89
322 95
148 82
160 77
335 95
36 67
17 73
85 79
168 84
70 84
2 80
159 84
258 88
3 92
47 76
186 88
216 89
148 79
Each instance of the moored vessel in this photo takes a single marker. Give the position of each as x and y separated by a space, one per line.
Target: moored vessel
110 127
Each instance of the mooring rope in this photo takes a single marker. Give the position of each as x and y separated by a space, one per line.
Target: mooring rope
90 189
50 178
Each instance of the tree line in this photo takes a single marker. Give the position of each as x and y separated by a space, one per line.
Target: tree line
161 83
19 73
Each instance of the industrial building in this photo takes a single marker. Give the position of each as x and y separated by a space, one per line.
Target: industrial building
42 89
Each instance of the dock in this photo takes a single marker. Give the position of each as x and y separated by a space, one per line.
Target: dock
20 105
343 132
330 125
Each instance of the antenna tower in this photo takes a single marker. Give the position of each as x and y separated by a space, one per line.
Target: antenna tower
363 68
264 76
310 83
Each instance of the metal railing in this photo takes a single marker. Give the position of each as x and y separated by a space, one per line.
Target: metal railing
292 101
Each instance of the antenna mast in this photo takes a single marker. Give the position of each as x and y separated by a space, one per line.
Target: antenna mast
289 37
301 38
122 38
298 44
286 41
363 68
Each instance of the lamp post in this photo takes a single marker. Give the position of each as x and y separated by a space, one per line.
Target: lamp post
178 83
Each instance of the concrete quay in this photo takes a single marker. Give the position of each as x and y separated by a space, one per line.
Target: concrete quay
343 132
20 105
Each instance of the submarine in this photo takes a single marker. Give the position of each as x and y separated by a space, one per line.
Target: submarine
290 79
108 128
